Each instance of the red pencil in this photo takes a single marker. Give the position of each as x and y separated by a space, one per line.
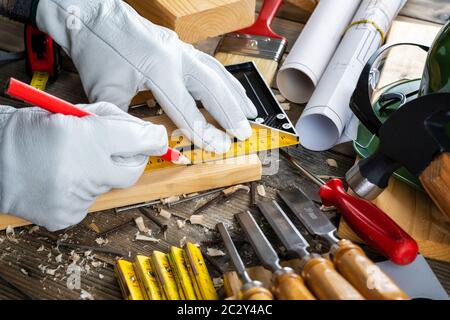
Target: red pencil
35 97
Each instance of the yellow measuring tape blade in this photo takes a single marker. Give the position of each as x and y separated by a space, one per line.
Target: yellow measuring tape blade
200 272
39 80
179 267
263 138
165 275
128 281
147 278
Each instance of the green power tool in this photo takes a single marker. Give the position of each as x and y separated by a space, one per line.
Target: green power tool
387 86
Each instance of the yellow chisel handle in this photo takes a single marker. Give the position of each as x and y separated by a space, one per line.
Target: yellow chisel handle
364 274
287 285
256 293
326 283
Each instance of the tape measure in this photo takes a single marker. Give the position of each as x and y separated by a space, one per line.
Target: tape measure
147 278
165 275
43 57
263 138
180 269
200 273
128 280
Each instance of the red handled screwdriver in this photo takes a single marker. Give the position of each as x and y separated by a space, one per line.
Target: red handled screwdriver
33 96
368 221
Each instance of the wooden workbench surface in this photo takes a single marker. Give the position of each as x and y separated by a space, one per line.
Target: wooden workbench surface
31 260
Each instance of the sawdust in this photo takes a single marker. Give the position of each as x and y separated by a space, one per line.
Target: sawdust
165 214
140 237
94 227
86 295
332 163
41 248
101 241
196 219
280 98
214 252
261 190
11 235
181 224
286 106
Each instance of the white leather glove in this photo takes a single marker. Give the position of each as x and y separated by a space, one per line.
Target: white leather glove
52 167
118 53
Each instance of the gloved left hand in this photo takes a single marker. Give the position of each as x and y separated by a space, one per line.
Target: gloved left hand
118 53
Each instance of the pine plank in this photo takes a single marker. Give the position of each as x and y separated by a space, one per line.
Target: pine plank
197 20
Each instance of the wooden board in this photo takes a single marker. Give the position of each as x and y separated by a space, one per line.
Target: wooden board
162 183
196 20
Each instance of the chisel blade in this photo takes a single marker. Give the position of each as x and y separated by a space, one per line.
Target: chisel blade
307 212
259 242
291 238
234 255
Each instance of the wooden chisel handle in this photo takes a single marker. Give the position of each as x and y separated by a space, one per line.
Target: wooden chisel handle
257 293
290 286
363 274
436 181
326 283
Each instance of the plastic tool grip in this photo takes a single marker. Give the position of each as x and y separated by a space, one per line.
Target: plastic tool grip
19 90
370 223
263 25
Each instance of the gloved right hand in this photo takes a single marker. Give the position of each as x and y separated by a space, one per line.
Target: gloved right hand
53 167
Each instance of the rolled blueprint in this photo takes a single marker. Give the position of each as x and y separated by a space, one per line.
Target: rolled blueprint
327 119
314 49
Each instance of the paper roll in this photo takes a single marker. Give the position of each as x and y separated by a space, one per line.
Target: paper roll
327 116
314 48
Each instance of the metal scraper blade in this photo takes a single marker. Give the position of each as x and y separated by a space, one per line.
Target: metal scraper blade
292 239
259 242
307 212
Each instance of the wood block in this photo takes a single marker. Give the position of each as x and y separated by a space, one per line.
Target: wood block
196 20
176 180
416 213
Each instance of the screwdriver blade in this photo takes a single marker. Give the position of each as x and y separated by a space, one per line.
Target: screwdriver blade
291 238
234 255
259 242
307 212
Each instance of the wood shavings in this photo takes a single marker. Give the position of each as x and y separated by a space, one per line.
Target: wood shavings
182 242
42 268
41 248
214 252
141 237
11 235
181 224
87 253
51 272
33 229
101 241
165 214
280 98
141 225
25 272
218 282
58 258
327 209
286 106
159 112
261 190
2 240
94 227
86 295
170 200
332 163
100 276
96 264
151 103
233 189
196 219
